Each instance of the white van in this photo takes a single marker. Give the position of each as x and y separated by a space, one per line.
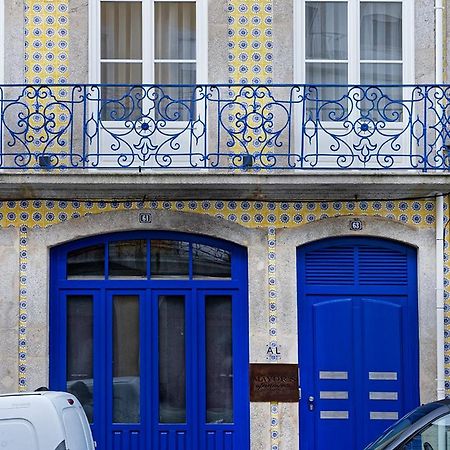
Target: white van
43 420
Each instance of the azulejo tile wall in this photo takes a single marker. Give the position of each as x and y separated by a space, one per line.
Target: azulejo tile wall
46 57
23 262
46 41
250 41
252 214
447 295
250 61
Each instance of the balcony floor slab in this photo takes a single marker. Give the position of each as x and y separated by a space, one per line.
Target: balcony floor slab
280 186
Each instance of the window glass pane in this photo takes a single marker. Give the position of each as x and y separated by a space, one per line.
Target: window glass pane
382 102
392 433
381 31
80 367
326 30
121 103
126 370
172 361
121 73
174 30
88 262
210 262
177 101
373 73
328 103
128 259
170 259
121 30
219 359
437 435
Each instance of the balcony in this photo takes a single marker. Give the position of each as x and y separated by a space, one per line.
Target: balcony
314 138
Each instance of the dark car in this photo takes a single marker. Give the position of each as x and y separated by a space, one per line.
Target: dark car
425 428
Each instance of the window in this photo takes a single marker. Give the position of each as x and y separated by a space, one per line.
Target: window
143 259
435 437
354 42
147 42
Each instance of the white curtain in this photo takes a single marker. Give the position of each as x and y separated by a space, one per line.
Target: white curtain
381 31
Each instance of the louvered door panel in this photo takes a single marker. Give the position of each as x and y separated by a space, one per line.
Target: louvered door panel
330 266
360 265
382 266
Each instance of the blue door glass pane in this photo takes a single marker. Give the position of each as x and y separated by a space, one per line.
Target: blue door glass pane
79 347
210 262
219 359
87 262
126 370
170 259
128 259
172 359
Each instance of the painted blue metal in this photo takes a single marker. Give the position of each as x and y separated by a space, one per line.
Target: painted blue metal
357 316
195 434
240 127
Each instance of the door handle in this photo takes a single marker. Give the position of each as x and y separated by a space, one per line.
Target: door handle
311 403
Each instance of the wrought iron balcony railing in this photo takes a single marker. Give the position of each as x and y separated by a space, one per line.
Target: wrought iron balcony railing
241 127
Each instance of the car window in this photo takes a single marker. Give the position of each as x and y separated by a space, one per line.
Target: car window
398 427
435 437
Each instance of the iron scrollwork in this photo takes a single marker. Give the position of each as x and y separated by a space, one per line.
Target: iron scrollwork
234 127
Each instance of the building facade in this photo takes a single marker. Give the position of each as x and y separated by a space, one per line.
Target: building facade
193 190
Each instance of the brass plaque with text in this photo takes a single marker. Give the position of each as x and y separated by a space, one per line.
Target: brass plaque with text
274 383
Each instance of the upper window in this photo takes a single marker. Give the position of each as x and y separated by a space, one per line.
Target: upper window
129 259
148 42
331 37
354 42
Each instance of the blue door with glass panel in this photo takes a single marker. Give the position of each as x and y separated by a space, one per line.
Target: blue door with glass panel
358 340
150 332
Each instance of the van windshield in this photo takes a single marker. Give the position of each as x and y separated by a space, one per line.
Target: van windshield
398 427
61 446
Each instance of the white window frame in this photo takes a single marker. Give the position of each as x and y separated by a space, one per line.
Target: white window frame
148 41
354 34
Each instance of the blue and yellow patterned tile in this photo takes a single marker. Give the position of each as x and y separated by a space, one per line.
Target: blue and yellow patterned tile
251 214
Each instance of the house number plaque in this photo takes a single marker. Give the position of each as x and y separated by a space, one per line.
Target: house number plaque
356 225
145 218
274 383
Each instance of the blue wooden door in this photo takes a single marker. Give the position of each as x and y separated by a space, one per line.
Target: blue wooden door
358 340
155 345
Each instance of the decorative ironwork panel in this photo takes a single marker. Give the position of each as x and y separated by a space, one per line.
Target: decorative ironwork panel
236 127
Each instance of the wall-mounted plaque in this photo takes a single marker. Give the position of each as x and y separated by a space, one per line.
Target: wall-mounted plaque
356 225
145 217
274 383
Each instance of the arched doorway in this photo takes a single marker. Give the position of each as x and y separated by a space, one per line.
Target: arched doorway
358 339
150 331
